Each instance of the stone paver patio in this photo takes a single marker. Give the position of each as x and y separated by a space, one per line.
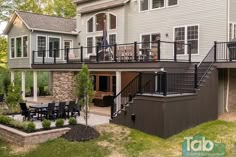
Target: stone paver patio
93 120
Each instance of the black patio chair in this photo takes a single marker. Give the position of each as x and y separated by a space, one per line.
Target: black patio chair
71 109
26 112
49 112
61 111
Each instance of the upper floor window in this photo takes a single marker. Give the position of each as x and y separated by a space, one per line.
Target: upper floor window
232 31
41 40
25 46
99 21
18 47
154 4
12 47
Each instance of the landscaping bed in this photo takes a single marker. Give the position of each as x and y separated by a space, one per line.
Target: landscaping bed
81 133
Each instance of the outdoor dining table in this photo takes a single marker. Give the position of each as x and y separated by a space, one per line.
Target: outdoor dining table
40 107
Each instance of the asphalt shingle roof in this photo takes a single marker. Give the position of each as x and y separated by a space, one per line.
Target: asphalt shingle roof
45 22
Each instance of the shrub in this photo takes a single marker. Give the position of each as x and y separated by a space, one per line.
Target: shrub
46 124
59 123
5 120
30 127
72 121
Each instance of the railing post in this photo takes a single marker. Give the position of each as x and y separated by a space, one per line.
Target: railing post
54 53
135 51
195 76
33 56
159 50
112 109
97 50
190 52
67 55
164 83
140 83
175 51
115 52
43 56
81 54
215 50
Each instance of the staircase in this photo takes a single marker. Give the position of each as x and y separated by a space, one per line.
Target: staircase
196 85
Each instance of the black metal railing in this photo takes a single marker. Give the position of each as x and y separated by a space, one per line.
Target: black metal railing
129 52
225 51
203 67
158 83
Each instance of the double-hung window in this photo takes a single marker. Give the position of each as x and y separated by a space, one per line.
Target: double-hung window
232 31
155 4
187 35
90 45
18 47
25 46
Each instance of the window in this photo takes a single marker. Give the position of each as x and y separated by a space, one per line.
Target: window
158 4
54 47
90 25
112 21
172 2
12 47
144 5
193 38
180 39
112 39
25 46
185 35
100 21
232 31
67 45
151 42
41 45
18 47
90 45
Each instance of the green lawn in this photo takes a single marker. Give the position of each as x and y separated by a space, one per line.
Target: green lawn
120 141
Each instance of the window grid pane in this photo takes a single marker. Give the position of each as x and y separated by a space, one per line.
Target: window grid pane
146 41
100 21
112 39
90 45
144 5
172 2
112 21
18 47
90 25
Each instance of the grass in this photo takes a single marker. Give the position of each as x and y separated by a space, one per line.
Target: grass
120 141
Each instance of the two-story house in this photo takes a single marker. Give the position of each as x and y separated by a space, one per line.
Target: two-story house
143 52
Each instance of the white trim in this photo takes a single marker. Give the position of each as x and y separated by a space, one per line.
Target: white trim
38 35
71 46
11 47
186 38
53 31
108 37
30 49
58 37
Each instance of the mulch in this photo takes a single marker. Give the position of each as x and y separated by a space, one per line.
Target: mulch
80 133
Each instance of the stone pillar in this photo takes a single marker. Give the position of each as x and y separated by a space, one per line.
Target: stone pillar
118 89
35 95
12 76
23 84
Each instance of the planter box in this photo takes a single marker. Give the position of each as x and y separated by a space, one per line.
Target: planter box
27 139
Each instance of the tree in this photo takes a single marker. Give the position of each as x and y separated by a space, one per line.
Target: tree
3 52
14 97
6 9
64 8
84 90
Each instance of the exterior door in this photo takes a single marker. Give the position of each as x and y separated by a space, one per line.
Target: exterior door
67 45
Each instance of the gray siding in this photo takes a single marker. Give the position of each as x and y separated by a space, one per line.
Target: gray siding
62 38
19 29
211 16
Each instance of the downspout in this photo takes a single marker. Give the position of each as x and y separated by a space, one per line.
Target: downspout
228 80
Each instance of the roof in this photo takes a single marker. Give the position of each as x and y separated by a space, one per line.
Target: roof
103 6
82 1
44 23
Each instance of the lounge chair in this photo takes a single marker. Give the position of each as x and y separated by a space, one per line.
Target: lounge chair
27 113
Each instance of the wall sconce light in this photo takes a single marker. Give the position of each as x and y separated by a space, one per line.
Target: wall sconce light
167 35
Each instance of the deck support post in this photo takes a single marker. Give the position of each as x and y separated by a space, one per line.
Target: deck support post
118 90
35 94
23 84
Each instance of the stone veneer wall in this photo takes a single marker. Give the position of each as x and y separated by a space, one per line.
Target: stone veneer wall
27 139
63 85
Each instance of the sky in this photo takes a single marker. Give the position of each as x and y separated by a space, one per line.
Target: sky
2 26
